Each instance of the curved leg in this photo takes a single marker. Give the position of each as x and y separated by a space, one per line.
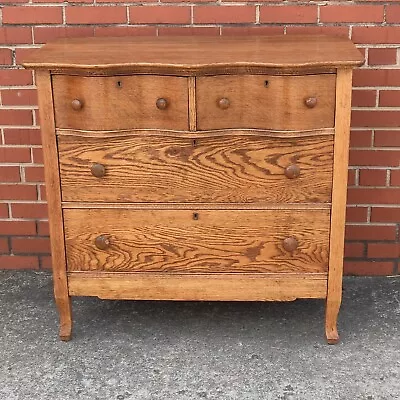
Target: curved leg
332 311
65 313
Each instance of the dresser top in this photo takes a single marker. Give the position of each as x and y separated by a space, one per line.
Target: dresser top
207 54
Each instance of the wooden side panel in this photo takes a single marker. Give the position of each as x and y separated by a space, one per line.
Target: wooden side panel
121 102
186 241
216 287
206 169
52 178
339 193
266 102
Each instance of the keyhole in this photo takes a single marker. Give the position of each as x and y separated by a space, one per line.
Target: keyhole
266 83
119 84
194 142
195 216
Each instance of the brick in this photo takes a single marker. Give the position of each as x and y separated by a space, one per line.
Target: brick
385 214
34 174
351 177
159 15
4 247
382 56
22 53
387 138
369 268
17 228
30 211
341 31
381 158
37 155
43 228
42 191
376 34
188 31
15 77
354 250
383 250
16 117
26 136
372 118
364 98
15 35
395 178
19 262
45 262
5 56
389 98
361 138
224 14
95 15
289 14
3 211
251 30
15 154
13 1
376 77
9 174
370 232
30 245
18 192
393 14
373 196
351 13
32 15
125 31
356 214
43 34
372 177
19 97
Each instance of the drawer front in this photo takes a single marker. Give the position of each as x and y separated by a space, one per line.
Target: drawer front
197 242
205 169
120 102
266 102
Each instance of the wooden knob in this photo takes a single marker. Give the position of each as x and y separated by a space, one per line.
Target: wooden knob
161 103
290 244
224 103
310 102
76 104
102 242
292 171
98 170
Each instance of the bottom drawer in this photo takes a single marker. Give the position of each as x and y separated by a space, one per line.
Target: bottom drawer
203 241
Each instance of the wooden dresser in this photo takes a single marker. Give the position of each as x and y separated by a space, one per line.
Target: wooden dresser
196 168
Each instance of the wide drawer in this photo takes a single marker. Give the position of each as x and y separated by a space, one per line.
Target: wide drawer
203 169
120 102
266 102
200 241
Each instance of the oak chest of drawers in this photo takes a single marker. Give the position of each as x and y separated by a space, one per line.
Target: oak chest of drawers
196 168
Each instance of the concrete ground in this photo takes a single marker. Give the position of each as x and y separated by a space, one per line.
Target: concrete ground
126 350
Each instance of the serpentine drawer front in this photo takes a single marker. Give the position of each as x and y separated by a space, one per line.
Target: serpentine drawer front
196 168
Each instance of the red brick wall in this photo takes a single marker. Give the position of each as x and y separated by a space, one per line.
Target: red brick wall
372 237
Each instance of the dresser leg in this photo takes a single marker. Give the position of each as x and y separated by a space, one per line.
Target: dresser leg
332 312
65 313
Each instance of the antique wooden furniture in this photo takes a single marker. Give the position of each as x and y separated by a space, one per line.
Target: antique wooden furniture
196 168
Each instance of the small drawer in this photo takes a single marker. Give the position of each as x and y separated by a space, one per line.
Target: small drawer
120 102
197 241
234 169
266 102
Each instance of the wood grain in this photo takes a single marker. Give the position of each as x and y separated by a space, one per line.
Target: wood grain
53 190
338 216
215 241
265 101
195 55
121 102
216 287
206 169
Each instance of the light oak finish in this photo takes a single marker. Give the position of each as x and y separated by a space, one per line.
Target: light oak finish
265 102
239 169
197 168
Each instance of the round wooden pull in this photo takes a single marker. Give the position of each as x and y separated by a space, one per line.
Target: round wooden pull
98 170
102 242
310 102
224 103
161 103
290 244
76 105
292 171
